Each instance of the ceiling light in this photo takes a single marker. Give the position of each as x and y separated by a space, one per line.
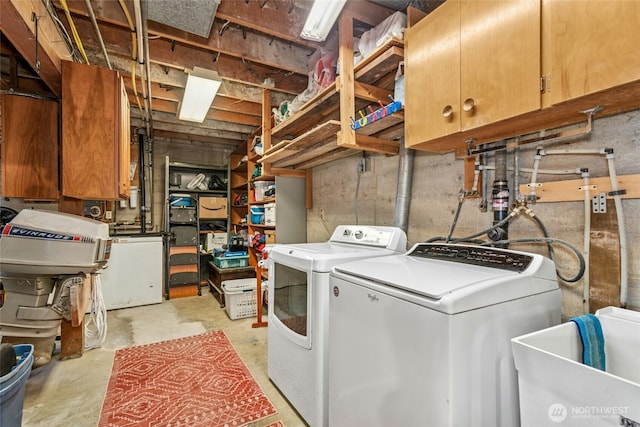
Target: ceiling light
321 18
202 86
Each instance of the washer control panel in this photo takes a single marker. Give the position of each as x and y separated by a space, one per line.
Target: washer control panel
474 255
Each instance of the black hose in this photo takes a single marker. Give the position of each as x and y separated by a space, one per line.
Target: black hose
480 233
455 219
549 241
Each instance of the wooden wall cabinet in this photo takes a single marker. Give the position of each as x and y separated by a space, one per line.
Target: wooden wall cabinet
95 133
526 65
588 46
29 148
470 63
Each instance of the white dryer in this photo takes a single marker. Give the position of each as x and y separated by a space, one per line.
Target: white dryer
299 308
423 339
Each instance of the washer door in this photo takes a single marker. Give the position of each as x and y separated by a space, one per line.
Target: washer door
291 300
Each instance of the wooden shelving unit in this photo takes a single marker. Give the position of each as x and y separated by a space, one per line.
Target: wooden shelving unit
321 132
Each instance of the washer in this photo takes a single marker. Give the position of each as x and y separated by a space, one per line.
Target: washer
424 338
299 306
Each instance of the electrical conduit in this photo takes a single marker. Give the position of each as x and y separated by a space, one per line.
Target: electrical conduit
621 227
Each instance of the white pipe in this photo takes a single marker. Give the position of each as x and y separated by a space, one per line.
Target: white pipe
587 243
574 151
476 175
138 15
97 30
621 229
534 176
542 171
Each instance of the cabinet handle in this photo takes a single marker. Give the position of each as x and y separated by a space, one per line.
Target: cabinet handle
447 112
468 105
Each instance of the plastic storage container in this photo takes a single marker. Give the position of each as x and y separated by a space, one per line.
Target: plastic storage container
257 214
270 214
556 387
231 262
240 298
12 386
261 187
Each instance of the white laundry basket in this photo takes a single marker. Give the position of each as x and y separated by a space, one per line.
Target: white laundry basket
240 298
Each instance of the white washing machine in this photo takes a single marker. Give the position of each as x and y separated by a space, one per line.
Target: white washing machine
299 309
423 339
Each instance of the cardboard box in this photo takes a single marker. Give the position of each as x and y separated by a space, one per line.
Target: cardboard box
269 237
212 207
216 241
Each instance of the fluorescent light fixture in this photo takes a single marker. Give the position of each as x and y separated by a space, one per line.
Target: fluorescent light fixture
202 86
321 18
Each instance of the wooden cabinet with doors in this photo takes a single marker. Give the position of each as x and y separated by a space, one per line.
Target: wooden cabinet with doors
95 133
29 148
470 63
588 46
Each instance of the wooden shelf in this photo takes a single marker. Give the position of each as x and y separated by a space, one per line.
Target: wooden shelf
310 137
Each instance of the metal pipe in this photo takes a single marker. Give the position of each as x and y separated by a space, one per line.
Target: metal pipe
403 190
500 197
97 30
147 60
141 182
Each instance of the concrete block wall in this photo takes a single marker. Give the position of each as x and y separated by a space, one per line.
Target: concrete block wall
438 178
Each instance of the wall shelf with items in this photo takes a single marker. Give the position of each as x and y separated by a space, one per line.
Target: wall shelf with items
196 215
321 130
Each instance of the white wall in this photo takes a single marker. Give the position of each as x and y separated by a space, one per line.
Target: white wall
438 178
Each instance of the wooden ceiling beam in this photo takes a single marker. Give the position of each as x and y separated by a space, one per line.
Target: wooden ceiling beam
118 42
162 121
44 55
213 114
159 133
171 77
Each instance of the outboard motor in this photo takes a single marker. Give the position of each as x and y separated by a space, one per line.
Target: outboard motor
43 254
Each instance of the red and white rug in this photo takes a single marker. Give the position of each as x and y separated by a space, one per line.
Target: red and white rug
193 381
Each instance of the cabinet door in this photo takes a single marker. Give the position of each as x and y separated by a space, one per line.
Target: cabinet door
500 60
589 46
471 63
432 75
92 128
29 148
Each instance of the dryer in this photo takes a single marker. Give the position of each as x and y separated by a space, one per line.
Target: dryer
299 307
423 338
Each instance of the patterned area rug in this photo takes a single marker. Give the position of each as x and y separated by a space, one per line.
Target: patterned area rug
276 424
192 381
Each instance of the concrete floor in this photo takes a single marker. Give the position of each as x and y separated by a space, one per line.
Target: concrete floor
70 392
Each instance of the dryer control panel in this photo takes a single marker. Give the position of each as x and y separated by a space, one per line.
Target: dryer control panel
474 255
368 235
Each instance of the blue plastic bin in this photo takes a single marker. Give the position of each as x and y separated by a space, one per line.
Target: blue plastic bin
12 386
257 214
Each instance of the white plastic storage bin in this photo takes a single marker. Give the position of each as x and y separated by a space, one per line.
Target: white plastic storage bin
270 214
261 187
556 387
240 298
